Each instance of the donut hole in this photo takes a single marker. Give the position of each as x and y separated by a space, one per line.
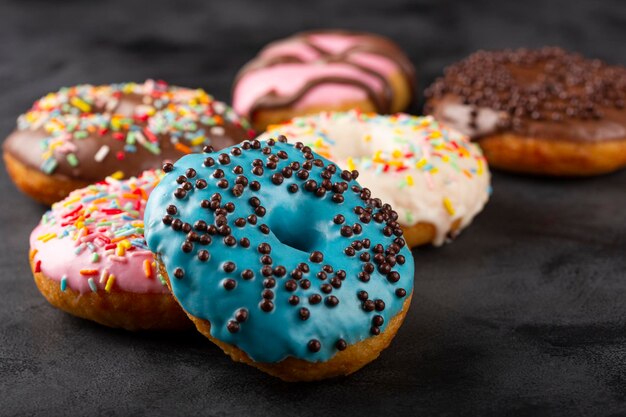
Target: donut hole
299 228
298 237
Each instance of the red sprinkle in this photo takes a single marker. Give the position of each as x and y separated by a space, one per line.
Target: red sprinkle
38 266
76 210
111 211
150 136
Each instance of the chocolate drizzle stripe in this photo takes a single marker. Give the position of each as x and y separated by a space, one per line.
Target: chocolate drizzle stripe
271 100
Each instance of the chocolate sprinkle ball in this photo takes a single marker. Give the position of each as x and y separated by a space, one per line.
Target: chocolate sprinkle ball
546 93
278 250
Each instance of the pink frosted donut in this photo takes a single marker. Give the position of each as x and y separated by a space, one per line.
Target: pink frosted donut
323 70
89 257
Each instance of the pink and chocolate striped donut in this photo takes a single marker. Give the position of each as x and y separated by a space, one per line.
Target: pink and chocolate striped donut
324 70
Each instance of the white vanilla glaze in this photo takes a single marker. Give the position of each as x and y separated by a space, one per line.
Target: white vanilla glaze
427 172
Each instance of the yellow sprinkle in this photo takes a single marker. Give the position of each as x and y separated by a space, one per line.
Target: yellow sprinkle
480 166
397 153
367 138
318 143
118 175
46 237
351 166
420 163
409 180
198 140
436 134
120 250
71 201
110 282
77 102
125 243
448 205
49 237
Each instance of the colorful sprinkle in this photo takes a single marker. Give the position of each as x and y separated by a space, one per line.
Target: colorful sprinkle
107 219
102 153
448 205
167 112
147 268
110 282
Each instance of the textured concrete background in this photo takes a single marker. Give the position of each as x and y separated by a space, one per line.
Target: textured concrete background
524 314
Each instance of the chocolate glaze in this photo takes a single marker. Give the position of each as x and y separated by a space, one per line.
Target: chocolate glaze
371 44
546 93
25 142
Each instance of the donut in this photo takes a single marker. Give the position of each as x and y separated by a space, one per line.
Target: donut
545 111
279 258
324 70
81 134
89 258
434 177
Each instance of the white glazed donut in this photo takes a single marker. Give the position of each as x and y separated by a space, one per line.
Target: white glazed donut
434 177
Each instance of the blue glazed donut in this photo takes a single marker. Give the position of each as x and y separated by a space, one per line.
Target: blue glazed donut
281 252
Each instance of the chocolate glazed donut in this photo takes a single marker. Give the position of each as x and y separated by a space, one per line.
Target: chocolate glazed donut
81 134
544 111
313 52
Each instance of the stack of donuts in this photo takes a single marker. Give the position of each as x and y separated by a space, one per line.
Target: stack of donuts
281 228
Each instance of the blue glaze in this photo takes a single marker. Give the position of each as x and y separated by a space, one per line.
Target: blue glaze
300 219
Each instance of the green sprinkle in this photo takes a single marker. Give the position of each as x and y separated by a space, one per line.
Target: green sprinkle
160 277
72 159
80 134
152 147
63 282
49 165
95 257
92 285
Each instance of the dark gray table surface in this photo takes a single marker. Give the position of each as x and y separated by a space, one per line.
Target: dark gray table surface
525 314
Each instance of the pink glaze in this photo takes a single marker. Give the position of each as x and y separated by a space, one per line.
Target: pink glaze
287 79
258 83
56 257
